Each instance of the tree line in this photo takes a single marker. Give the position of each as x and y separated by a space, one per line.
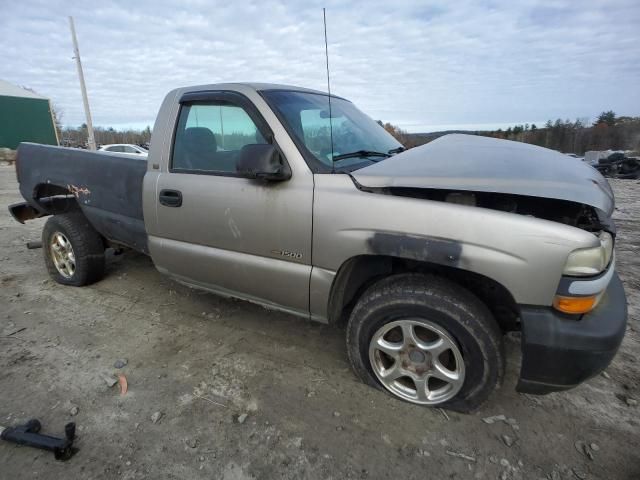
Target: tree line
77 136
608 132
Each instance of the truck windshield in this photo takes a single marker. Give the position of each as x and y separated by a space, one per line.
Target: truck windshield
306 117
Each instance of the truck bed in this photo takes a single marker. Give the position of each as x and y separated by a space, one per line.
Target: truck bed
107 187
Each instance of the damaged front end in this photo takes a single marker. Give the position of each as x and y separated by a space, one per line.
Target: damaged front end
481 165
500 175
575 335
569 213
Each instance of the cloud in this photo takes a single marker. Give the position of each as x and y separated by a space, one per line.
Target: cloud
463 62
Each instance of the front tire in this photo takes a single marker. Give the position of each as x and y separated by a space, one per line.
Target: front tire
73 250
426 340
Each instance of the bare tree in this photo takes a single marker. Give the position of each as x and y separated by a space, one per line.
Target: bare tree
57 114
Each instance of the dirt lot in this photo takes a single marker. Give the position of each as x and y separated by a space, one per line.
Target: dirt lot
201 361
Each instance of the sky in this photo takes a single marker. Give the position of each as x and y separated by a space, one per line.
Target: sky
424 66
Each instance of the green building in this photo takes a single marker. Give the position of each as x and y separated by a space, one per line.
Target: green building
24 117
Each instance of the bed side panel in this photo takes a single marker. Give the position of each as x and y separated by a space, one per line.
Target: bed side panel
108 187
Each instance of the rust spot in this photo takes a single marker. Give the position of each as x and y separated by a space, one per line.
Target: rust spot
77 191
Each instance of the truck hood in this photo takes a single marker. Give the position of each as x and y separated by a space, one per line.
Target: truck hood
483 164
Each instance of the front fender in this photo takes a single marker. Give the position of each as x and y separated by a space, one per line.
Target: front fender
524 254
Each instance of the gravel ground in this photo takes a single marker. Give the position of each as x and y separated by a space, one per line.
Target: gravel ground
242 392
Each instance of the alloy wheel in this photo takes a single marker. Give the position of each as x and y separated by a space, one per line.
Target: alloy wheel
417 361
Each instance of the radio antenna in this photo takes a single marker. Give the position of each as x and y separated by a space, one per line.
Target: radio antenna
326 54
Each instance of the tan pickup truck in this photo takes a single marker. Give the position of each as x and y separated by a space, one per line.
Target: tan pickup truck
429 256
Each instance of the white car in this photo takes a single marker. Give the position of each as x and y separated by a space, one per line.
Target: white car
124 148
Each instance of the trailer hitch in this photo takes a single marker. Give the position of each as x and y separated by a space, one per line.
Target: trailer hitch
28 434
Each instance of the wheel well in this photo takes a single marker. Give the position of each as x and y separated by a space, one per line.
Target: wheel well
43 190
55 199
360 272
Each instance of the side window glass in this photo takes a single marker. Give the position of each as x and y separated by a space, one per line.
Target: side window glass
130 150
210 136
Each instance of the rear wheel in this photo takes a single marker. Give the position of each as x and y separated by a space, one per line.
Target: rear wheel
427 341
73 250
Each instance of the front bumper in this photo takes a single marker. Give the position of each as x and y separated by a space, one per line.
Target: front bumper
559 351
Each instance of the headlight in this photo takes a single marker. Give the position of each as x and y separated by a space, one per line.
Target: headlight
587 262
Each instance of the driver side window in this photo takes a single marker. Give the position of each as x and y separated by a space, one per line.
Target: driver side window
210 135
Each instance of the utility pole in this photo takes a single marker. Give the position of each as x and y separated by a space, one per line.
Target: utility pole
85 99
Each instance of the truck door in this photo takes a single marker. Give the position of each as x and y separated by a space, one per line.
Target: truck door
226 233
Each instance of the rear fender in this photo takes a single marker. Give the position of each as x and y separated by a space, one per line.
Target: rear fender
46 199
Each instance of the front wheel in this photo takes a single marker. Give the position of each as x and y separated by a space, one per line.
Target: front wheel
427 341
73 250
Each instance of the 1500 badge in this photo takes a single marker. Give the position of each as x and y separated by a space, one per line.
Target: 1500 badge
288 254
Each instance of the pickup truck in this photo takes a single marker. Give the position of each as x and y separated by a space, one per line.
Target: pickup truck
298 201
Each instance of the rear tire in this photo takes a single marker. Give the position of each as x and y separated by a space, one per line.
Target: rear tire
426 340
73 250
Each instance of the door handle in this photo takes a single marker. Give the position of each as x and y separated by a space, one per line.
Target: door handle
170 198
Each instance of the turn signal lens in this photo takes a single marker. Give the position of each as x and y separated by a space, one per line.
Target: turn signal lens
575 304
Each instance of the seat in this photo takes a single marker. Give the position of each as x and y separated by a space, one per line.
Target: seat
199 149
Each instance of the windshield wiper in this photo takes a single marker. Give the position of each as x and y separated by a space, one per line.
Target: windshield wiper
397 150
360 153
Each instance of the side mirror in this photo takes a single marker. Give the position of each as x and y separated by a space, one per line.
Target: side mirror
262 161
